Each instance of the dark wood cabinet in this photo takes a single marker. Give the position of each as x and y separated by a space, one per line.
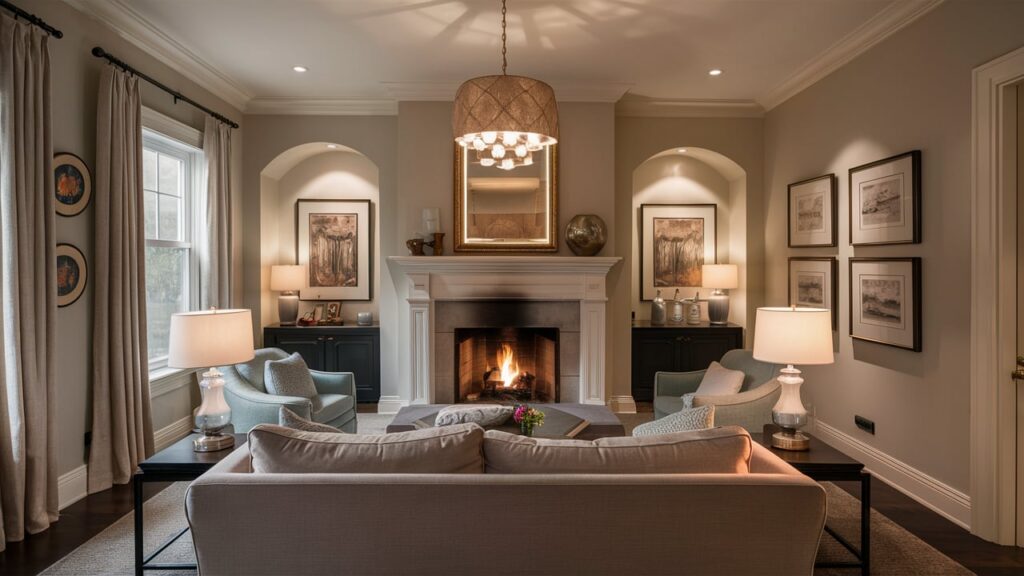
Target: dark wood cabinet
353 349
677 348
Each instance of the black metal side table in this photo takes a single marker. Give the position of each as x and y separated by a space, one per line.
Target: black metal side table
176 463
824 463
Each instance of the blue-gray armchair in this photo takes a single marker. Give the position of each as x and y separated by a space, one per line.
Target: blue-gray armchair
250 403
751 408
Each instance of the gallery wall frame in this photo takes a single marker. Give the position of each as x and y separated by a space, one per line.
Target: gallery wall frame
695 242
72 187
72 274
880 210
879 308
823 269
334 240
813 212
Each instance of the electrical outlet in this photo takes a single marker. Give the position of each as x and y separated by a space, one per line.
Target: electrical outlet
864 424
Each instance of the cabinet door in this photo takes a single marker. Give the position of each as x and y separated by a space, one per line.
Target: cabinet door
309 346
699 350
653 351
356 354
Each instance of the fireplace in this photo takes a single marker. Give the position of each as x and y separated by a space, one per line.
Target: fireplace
506 365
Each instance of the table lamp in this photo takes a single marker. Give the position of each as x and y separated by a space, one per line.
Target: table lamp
288 280
208 339
792 336
719 277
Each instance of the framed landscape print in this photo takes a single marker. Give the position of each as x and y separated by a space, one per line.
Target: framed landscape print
885 301
72 184
885 201
812 212
72 274
333 241
676 240
812 284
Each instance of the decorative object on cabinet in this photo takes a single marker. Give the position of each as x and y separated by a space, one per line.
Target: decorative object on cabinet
288 280
885 301
720 277
658 312
333 315
72 184
208 339
72 274
676 349
354 349
586 234
885 201
813 282
334 241
498 211
364 318
693 310
813 212
677 308
792 336
676 240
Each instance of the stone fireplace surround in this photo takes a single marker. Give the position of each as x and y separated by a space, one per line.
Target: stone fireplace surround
445 292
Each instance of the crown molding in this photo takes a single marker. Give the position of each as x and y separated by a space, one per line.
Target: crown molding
564 92
887 22
131 26
653 108
322 107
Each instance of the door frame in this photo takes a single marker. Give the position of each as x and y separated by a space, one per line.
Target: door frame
993 279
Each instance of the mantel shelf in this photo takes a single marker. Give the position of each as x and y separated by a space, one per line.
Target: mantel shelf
506 264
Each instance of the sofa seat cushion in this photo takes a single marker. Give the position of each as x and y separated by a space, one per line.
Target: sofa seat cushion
448 450
333 407
290 377
482 414
683 421
715 451
289 419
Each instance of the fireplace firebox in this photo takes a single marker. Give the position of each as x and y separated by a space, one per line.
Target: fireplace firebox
506 365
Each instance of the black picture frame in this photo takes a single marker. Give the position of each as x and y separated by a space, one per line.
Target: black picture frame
833 216
833 303
915 190
915 291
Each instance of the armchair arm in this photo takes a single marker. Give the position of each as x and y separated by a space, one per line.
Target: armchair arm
334 382
250 407
677 383
751 409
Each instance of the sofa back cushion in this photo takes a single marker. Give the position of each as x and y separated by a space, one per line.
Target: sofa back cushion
714 451
449 450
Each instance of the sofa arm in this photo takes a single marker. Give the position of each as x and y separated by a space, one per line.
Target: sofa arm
677 383
334 382
250 407
751 409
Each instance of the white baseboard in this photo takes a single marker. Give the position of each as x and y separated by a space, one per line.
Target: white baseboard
72 486
390 404
171 433
622 404
943 499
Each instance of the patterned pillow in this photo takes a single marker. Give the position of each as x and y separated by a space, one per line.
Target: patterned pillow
482 414
290 377
289 419
685 420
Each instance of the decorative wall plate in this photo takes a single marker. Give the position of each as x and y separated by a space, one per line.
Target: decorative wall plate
72 184
72 274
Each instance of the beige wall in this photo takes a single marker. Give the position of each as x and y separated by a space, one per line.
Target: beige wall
74 80
912 91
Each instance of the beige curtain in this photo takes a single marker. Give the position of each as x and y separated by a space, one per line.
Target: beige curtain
122 427
215 251
28 443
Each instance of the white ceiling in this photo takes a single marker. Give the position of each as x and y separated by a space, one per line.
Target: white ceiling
422 49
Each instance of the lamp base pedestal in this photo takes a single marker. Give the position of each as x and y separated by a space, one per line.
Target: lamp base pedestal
791 440
213 442
288 308
718 308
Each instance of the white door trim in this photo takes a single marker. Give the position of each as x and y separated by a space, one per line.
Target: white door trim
993 328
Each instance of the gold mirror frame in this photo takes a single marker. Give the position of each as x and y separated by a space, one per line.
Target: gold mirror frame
461 243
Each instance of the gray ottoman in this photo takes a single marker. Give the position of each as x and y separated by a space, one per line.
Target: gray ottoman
602 421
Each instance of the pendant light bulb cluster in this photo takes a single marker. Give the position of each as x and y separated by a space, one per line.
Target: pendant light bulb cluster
505 119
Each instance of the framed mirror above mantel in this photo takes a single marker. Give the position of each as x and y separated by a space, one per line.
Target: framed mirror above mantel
506 210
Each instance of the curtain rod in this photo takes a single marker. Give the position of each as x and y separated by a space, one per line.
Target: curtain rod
31 19
101 53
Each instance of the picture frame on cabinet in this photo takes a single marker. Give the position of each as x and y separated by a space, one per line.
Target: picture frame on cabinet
885 301
813 214
676 240
885 201
814 282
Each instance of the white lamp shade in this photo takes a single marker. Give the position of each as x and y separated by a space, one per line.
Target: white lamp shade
285 278
210 338
793 336
720 276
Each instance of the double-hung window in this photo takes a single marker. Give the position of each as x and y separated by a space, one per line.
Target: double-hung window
171 180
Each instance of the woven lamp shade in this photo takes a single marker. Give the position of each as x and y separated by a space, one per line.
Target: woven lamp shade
505 103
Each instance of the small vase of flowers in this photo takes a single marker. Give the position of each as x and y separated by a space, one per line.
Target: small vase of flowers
527 418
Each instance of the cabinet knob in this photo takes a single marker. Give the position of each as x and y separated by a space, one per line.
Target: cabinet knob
320 339
330 338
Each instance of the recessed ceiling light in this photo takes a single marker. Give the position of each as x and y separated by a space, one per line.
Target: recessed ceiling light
332 146
299 68
714 72
682 150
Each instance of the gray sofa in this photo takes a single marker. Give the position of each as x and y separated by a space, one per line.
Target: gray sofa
765 522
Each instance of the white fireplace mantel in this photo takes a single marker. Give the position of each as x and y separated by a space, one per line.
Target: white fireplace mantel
425 280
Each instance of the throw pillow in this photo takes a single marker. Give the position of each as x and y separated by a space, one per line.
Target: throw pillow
720 381
685 420
482 414
289 419
722 450
290 377
449 450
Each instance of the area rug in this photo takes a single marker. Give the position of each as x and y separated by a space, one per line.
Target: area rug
894 550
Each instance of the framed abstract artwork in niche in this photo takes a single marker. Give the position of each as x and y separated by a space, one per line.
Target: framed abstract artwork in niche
885 201
813 282
676 240
813 212
885 301
334 241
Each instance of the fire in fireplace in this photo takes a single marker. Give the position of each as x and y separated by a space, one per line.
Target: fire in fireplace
506 365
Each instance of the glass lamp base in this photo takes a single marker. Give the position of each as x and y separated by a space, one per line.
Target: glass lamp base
791 440
213 442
